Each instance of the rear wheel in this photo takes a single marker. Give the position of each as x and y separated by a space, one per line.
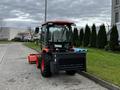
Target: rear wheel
45 66
71 72
38 62
29 60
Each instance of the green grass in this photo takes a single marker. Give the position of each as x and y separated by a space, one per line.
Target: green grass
4 42
105 65
32 45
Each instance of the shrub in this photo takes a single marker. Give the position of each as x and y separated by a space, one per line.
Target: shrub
16 39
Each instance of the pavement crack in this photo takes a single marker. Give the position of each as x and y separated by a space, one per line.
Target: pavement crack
12 80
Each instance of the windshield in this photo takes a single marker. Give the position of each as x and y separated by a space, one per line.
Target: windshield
59 33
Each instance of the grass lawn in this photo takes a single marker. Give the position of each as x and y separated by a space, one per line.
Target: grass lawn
32 45
105 65
5 42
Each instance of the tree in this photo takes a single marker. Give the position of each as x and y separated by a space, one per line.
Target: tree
102 37
81 35
93 36
75 37
114 38
86 38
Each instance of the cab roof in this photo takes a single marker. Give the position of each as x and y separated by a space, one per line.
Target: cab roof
59 22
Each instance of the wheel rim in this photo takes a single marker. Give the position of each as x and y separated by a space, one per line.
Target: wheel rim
42 65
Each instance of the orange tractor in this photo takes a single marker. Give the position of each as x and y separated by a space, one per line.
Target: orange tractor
57 52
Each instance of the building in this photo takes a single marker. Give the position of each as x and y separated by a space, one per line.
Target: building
9 33
116 14
15 31
4 33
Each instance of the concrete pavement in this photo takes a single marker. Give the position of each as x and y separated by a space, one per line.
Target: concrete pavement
17 74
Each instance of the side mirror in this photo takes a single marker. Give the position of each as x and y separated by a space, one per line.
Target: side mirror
37 30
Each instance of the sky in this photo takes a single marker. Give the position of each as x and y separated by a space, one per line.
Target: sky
30 13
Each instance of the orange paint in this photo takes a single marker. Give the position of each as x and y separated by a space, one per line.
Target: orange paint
45 49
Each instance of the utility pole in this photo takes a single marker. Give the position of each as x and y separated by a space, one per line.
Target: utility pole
45 10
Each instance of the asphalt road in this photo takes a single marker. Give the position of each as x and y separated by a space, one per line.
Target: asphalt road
17 74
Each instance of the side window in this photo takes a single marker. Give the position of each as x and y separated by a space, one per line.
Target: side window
43 33
117 17
116 2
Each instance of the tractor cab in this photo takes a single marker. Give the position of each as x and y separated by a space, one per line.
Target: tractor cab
57 35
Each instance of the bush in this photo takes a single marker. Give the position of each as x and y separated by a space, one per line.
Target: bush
16 39
107 47
117 48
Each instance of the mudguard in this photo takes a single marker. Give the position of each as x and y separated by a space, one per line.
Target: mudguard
32 58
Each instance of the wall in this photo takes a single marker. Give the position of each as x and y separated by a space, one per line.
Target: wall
4 33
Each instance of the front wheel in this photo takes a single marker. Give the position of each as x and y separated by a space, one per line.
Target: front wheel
45 67
72 72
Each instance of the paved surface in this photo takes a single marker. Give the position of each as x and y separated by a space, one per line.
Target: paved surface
17 74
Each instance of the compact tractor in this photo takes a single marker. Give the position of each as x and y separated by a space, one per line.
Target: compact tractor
57 50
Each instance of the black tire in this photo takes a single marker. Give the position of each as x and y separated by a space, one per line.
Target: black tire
38 63
30 62
72 72
46 71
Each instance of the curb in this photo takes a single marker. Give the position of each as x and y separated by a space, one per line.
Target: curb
101 82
